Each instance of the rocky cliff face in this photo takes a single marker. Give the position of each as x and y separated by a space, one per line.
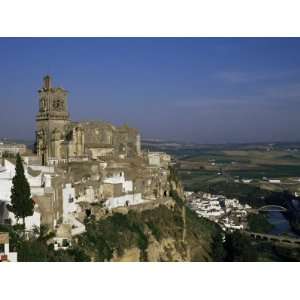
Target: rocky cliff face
165 250
160 234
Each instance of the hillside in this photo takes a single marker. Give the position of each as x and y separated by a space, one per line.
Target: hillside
165 233
160 234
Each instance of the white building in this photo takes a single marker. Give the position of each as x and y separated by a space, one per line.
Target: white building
231 202
125 200
246 180
5 254
158 159
119 178
12 148
69 205
274 180
7 172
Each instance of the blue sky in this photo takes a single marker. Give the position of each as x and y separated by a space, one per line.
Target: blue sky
205 90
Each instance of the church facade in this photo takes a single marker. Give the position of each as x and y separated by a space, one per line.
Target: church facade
59 139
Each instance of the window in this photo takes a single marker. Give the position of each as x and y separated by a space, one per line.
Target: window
71 199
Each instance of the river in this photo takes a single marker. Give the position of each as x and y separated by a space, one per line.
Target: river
280 223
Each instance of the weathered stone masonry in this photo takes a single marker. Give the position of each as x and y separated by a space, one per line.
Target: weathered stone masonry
60 139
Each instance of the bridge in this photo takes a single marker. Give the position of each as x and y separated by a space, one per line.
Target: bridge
274 238
271 208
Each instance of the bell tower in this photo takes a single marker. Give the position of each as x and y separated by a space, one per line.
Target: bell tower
51 120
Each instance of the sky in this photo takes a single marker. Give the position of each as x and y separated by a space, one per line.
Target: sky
203 90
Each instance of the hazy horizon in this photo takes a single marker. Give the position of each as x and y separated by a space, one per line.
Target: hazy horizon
200 90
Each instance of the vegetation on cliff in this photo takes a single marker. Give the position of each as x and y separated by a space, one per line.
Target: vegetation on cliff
192 239
238 247
111 237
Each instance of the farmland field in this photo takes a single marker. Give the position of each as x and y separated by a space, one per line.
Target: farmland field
244 169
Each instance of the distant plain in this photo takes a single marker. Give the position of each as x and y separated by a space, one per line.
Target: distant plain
243 166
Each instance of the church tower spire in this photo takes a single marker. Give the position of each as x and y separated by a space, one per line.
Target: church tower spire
51 120
47 82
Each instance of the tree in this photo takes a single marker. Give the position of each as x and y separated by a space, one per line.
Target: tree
218 250
239 248
22 204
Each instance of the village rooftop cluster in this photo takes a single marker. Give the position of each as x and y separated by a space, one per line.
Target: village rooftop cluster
230 214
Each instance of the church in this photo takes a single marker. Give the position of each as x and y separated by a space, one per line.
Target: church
58 139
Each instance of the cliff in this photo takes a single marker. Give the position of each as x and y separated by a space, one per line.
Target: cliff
159 234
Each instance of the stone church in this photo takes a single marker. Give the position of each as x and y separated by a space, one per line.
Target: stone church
58 139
